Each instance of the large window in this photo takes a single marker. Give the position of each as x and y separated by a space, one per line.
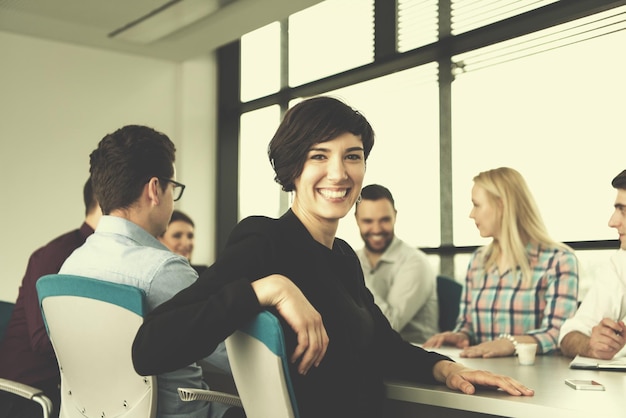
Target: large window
260 195
453 88
544 105
547 106
260 62
471 14
330 37
402 109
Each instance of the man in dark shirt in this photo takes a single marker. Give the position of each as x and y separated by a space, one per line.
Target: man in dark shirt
26 354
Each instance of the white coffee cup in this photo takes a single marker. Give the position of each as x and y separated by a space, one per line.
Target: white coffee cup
526 353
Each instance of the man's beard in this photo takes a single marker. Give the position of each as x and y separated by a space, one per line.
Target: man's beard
388 239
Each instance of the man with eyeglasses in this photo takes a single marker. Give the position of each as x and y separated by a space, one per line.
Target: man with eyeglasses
133 176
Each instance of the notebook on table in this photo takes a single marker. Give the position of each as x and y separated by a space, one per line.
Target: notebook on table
589 363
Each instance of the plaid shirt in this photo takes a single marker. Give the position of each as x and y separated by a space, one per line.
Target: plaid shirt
492 304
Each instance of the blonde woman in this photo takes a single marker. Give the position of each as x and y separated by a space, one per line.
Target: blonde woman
523 285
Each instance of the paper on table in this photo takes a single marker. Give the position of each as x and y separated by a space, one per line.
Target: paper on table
581 362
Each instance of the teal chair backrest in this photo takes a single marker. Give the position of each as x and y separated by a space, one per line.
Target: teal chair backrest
6 309
449 296
92 324
260 366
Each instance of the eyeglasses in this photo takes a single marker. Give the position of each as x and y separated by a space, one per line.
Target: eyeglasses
178 188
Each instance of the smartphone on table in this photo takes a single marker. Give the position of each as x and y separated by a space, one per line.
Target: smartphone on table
584 384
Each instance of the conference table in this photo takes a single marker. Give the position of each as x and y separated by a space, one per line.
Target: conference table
553 398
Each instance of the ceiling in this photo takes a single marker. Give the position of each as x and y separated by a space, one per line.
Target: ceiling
175 30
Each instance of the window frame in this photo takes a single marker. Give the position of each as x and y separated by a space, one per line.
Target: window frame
386 61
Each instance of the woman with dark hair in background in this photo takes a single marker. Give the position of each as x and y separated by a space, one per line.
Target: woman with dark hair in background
179 237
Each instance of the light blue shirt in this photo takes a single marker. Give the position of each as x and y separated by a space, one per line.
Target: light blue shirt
120 251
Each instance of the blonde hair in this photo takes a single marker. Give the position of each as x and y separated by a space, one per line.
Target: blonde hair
521 222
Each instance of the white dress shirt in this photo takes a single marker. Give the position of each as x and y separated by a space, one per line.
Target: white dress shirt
606 298
404 286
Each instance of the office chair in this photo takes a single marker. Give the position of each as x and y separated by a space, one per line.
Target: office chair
6 309
258 359
259 363
92 324
20 389
449 295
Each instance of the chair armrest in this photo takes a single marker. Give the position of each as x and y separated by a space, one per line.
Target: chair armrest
28 392
192 394
20 389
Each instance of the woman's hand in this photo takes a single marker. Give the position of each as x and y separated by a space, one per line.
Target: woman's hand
457 339
488 349
278 291
458 377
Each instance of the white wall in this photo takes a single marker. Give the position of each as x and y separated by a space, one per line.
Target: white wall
57 101
196 152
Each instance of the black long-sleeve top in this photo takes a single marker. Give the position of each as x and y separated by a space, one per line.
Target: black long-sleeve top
363 348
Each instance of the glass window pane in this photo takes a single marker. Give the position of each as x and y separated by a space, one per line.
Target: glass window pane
471 14
597 25
260 62
402 109
258 193
557 117
461 262
330 37
417 23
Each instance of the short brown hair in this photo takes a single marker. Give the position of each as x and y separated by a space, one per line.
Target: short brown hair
310 122
180 216
375 192
125 160
619 182
91 203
